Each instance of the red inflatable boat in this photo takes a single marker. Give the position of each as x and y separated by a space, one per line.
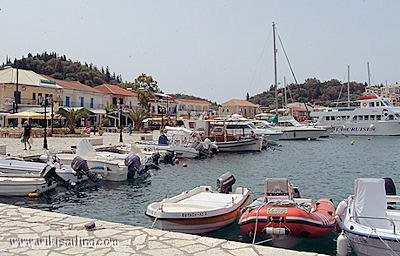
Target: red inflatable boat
282 212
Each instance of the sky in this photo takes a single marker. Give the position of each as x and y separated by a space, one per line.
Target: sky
213 49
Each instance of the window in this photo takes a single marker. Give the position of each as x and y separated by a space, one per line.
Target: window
332 118
327 118
372 117
391 117
91 102
82 101
366 117
67 101
378 117
34 96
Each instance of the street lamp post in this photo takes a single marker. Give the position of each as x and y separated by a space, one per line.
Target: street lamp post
52 113
45 125
119 121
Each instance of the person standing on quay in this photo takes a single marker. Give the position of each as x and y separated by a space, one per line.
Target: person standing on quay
27 134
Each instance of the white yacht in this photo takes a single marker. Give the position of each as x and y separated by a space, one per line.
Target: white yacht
373 116
293 130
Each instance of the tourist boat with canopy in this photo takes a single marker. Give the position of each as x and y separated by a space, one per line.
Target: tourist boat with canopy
370 219
282 213
201 209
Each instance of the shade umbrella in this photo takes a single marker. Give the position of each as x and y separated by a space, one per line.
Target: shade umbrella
26 114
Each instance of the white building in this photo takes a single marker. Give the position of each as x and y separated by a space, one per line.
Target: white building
192 108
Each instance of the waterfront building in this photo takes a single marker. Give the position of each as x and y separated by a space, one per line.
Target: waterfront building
241 107
191 108
123 99
32 89
391 92
76 95
162 104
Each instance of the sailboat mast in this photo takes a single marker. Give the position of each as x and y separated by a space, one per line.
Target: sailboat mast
275 71
284 90
369 75
348 86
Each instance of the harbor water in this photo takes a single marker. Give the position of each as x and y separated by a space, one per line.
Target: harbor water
321 168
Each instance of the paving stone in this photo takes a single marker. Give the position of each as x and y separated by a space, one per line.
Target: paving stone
215 251
139 240
156 245
194 248
169 252
249 251
234 245
211 242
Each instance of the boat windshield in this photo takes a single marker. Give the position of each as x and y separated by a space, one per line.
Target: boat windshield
276 187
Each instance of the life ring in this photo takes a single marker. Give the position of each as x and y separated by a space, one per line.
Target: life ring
364 104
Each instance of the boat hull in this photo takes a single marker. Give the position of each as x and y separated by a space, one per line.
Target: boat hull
372 245
299 134
11 186
384 128
200 226
240 145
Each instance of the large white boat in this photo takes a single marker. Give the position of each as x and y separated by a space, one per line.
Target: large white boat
373 116
201 209
293 130
370 219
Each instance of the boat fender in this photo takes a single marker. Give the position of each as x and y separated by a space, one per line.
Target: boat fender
276 231
341 245
341 208
33 194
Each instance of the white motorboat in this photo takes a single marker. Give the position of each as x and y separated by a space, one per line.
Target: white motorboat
293 130
110 166
369 219
23 186
241 145
201 209
25 169
373 116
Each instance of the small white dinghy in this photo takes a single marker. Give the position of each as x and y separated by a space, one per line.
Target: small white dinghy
201 209
23 186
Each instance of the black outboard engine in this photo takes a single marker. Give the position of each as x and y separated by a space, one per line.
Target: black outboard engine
156 158
50 175
225 182
203 153
80 166
390 187
169 157
135 167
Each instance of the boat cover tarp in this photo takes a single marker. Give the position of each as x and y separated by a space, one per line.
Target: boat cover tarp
85 150
370 201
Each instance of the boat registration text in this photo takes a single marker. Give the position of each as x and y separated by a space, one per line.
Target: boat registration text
277 210
193 214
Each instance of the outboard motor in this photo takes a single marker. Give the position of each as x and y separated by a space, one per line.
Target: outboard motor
156 158
169 157
225 182
80 166
203 153
135 167
390 187
50 175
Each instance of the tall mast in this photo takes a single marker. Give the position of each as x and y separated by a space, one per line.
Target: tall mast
284 90
348 86
369 75
275 71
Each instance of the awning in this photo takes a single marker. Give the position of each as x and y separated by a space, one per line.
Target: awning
26 114
97 111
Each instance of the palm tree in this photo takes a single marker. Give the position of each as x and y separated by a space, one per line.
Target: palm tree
137 116
72 117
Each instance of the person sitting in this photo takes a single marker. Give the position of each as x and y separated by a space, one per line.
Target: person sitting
163 140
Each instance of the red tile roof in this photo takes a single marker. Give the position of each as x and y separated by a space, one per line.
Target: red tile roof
194 101
115 90
72 85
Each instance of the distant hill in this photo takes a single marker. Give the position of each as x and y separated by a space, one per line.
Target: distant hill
59 67
313 91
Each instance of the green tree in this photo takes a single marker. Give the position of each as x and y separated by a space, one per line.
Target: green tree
137 116
72 117
146 82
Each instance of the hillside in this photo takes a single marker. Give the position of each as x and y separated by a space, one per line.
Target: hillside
313 91
59 67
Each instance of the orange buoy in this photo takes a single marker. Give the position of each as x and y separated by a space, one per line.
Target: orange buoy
177 161
184 165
